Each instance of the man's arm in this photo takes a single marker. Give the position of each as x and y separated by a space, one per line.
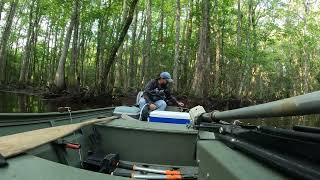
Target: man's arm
170 97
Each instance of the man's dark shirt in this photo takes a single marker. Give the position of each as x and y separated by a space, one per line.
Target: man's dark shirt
154 92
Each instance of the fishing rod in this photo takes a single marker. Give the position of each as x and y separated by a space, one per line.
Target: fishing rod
153 176
149 170
108 164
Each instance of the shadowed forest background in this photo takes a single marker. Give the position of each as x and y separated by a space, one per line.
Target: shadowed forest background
258 49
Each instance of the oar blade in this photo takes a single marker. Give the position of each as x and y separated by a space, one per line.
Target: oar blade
15 144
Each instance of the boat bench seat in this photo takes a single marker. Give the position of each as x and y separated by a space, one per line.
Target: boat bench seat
153 143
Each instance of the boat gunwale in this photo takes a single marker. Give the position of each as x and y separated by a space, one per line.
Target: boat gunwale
52 113
34 118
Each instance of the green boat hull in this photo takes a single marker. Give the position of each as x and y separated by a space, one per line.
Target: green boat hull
135 141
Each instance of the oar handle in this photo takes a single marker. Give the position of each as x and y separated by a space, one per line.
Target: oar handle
294 106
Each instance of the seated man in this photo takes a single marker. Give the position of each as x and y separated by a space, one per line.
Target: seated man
157 92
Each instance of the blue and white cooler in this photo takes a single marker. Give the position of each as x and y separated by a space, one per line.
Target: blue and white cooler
169 117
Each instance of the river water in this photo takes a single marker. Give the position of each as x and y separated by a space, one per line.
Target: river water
22 103
16 103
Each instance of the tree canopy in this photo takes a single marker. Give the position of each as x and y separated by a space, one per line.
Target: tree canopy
262 49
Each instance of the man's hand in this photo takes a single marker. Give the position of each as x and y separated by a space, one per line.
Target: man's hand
180 104
152 107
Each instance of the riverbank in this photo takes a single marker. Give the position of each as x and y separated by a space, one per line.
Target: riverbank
18 101
32 99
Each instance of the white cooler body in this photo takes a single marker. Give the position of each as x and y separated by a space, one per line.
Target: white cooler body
169 117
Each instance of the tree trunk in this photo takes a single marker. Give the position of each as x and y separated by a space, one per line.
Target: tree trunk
239 24
141 35
27 48
217 63
199 81
54 54
216 84
305 53
74 79
246 65
159 46
5 38
101 46
239 44
1 7
118 70
33 75
121 52
99 69
148 42
117 44
177 48
131 78
46 53
187 50
59 80
83 49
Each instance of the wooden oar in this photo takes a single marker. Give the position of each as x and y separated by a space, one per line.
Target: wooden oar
126 117
15 144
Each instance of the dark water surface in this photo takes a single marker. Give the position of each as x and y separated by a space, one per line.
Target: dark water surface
14 102
22 103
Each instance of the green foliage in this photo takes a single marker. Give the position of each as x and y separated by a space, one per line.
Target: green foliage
278 50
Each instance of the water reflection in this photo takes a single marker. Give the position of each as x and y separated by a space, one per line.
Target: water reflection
21 103
10 102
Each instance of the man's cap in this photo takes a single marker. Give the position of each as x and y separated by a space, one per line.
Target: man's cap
166 76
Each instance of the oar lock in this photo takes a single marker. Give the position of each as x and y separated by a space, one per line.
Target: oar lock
64 109
198 114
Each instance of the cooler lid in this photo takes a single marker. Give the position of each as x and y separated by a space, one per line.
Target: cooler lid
170 114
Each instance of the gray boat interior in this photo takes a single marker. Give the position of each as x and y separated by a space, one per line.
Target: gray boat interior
135 141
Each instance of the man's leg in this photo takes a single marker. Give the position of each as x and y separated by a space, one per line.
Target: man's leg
144 109
142 102
161 105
